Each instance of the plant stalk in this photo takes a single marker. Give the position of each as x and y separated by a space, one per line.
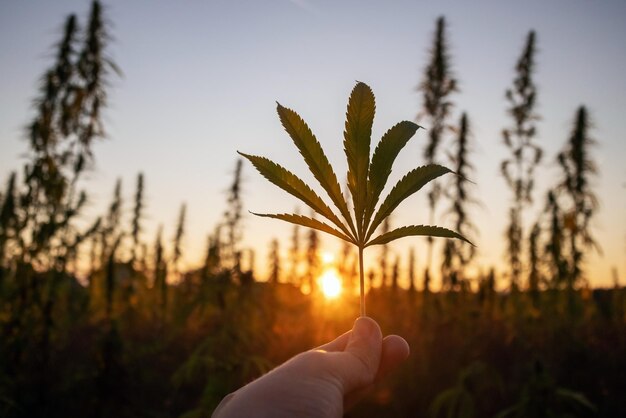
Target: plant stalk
361 281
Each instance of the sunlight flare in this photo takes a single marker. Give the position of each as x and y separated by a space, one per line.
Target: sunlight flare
328 258
330 283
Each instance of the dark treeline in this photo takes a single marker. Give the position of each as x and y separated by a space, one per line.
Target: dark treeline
101 320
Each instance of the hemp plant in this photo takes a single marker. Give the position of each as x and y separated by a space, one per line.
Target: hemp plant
366 179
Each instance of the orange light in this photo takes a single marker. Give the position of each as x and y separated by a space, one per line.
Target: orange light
330 283
328 258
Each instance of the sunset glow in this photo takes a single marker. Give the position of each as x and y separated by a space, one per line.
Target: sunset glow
328 258
330 283
286 200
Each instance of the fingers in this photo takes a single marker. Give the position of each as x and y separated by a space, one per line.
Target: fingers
222 404
369 357
395 350
361 358
342 369
338 344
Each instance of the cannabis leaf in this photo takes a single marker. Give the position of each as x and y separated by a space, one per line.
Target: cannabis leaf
366 180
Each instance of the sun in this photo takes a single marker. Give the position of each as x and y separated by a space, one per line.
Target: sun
328 258
330 283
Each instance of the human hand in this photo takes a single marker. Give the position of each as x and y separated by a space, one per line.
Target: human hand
321 382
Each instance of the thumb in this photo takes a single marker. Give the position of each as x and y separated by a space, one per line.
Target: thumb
362 355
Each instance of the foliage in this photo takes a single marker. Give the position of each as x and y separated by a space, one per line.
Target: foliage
518 170
66 123
366 179
554 248
436 87
178 237
312 258
120 338
411 269
578 171
232 223
384 253
474 382
534 274
457 254
542 398
438 84
274 261
294 254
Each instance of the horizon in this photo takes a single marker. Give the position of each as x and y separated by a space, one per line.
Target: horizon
191 108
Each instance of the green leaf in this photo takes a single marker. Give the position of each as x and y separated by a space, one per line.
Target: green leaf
293 185
512 411
409 184
314 156
365 182
444 402
416 230
575 398
308 222
385 154
357 137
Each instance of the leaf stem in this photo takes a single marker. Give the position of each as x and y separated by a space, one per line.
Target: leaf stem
361 281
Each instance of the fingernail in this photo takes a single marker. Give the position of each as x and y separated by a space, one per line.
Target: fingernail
364 327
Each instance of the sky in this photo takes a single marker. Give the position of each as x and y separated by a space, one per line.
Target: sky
201 78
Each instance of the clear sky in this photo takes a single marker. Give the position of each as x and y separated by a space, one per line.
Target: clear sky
201 79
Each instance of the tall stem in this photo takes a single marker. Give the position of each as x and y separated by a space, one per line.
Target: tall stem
361 281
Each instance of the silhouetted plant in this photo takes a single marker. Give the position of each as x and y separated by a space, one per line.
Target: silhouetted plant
232 223
212 260
371 275
395 273
160 273
426 285
94 260
534 274
274 262
518 170
178 237
137 215
294 255
72 245
312 257
437 86
542 398
67 121
384 255
110 282
93 66
457 254
487 289
366 179
474 383
411 269
554 248
579 170
111 232
248 267
8 218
